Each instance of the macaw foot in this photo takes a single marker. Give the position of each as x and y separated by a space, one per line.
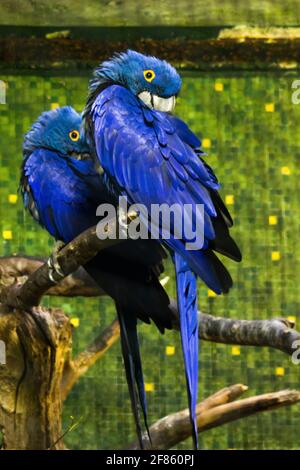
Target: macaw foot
55 271
124 219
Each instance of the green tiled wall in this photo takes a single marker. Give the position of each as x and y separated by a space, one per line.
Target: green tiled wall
251 132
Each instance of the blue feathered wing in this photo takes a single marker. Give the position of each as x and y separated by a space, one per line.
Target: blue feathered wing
68 210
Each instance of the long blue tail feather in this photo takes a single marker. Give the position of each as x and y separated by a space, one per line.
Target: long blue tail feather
187 305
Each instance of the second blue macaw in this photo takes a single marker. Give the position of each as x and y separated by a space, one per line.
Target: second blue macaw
152 157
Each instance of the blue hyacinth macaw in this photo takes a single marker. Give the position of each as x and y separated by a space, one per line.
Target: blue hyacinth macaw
152 157
62 190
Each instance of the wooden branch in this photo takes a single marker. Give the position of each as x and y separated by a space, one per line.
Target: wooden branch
30 399
75 368
75 254
215 411
274 333
278 333
17 269
177 424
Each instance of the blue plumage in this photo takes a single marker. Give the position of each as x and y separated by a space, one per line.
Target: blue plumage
154 158
62 190
53 130
186 281
62 201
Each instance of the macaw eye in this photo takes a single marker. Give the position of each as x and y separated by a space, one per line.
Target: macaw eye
149 75
74 135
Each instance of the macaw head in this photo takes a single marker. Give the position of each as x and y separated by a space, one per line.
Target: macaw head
59 130
152 80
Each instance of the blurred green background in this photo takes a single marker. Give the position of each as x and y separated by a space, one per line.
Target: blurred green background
149 12
249 128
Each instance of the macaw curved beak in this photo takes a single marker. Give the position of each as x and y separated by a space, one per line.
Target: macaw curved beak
158 103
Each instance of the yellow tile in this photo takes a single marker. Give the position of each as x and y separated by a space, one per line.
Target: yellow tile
149 387
235 350
275 255
269 107
54 105
206 143
285 170
279 371
170 350
12 198
272 219
229 199
7 234
211 293
219 86
292 318
75 322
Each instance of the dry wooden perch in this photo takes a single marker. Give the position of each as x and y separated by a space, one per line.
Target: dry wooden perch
30 400
278 333
39 373
15 270
73 255
216 410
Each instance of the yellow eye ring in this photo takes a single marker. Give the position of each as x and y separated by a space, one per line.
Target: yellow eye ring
74 135
149 75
